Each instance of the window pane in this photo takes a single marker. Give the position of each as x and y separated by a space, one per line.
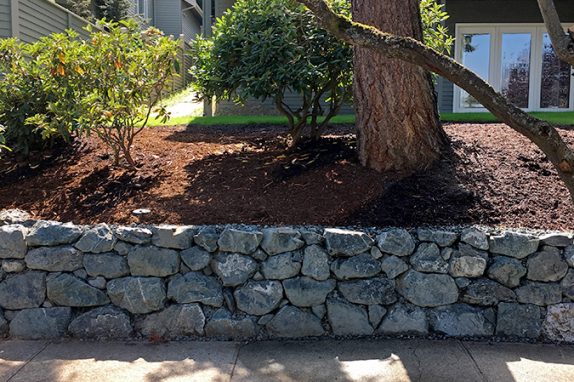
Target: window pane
476 57
555 86
516 67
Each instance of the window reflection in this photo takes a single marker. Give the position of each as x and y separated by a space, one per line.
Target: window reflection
555 86
476 57
516 67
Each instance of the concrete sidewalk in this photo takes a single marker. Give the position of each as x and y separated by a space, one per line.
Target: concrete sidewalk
325 360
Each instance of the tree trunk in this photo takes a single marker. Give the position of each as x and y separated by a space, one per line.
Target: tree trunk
398 126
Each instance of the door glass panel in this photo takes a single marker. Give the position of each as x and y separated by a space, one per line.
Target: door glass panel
515 64
556 74
476 57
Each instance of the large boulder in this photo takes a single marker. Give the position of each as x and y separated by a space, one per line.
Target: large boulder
291 322
341 242
518 320
259 297
238 241
398 242
15 216
108 265
541 294
440 237
283 266
393 266
460 320
487 293
357 267
567 285
134 235
373 291
428 290
49 233
557 239
475 237
196 258
507 271
569 255
138 295
428 259
559 323
12 242
23 291
107 322
316 263
55 259
207 238
348 319
404 319
195 287
98 239
233 269
174 322
68 290
40 323
173 237
223 325
467 266
280 240
306 292
153 261
513 244
547 265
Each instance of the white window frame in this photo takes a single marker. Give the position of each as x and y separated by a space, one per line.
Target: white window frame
145 11
495 68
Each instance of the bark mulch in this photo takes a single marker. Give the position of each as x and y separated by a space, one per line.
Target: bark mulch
242 174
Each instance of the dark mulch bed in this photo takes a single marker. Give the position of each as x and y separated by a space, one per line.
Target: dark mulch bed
215 175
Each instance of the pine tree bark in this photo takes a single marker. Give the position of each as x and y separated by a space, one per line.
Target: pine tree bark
398 126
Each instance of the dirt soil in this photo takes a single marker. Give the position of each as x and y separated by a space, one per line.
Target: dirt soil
243 174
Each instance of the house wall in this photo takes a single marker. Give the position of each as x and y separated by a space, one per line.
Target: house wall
5 25
167 17
492 11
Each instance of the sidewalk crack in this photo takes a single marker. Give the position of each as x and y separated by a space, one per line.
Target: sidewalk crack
467 351
28 361
235 361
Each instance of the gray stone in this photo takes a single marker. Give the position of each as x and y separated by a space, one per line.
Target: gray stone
514 245
539 294
281 267
4 326
517 320
134 235
487 293
311 237
460 320
40 323
427 259
319 310
234 240
12 242
475 237
108 265
49 233
462 282
15 216
259 254
404 319
467 266
258 276
233 269
68 290
174 322
138 295
398 242
207 238
559 323
376 253
107 322
567 285
393 266
469 250
81 273
153 261
360 266
196 258
447 253
341 242
259 297
569 255
546 266
13 266
348 319
196 287
428 290
373 291
264 320
281 240
223 326
557 239
23 291
123 248
98 239
376 314
173 237
99 282
54 259
507 271
292 322
439 237
316 263
306 292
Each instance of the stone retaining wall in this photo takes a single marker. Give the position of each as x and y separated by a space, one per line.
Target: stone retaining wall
168 282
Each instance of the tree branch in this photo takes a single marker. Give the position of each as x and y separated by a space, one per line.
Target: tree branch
562 42
541 133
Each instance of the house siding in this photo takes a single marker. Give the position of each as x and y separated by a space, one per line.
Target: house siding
167 17
5 24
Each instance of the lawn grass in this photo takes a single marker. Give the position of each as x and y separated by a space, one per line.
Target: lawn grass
563 118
